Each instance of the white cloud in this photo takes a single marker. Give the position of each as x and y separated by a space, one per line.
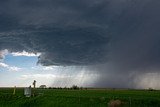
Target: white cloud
24 53
14 68
45 68
48 68
37 76
10 68
3 53
3 65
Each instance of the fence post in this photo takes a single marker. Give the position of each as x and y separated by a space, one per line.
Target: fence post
130 103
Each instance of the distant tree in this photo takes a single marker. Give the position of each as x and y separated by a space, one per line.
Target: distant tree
50 88
150 89
81 88
75 87
65 88
54 88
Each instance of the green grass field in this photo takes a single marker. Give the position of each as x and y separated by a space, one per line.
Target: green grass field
79 98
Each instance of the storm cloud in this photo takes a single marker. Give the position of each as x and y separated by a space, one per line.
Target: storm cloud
115 38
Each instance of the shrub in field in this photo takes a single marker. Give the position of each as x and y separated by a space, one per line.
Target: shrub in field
75 87
115 103
151 89
102 98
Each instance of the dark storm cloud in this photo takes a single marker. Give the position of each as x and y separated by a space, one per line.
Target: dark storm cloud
60 30
64 47
118 36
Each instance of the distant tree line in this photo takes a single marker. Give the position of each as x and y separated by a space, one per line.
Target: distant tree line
73 87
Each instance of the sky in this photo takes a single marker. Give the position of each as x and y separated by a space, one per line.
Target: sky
104 43
21 69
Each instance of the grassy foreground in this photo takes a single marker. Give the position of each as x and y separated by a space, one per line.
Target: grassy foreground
79 98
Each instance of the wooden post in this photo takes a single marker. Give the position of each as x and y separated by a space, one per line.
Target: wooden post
34 86
14 90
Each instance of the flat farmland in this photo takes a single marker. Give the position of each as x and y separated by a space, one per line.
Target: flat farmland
80 98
